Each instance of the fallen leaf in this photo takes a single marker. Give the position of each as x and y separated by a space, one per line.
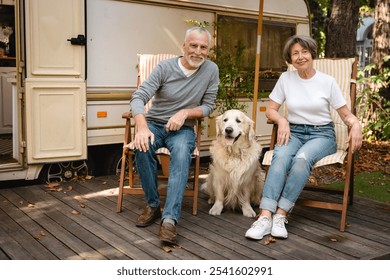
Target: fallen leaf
167 249
104 183
31 205
75 212
42 233
82 205
69 188
88 177
269 240
52 185
333 239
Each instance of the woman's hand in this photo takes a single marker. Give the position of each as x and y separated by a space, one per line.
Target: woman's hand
355 136
283 132
355 132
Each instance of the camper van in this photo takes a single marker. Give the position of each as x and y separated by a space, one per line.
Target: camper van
68 70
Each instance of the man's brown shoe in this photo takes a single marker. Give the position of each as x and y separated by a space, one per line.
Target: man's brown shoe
149 215
168 233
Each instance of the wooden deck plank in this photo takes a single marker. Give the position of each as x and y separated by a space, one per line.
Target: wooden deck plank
347 242
38 236
40 214
103 233
361 222
3 256
321 243
82 242
200 239
26 240
10 247
189 241
278 249
94 223
106 206
235 221
132 208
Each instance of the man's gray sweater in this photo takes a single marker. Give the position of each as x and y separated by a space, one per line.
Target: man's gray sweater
173 90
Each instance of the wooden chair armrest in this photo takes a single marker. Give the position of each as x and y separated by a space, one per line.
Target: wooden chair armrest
126 115
270 122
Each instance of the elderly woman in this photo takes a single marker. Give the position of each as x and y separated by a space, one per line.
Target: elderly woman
304 137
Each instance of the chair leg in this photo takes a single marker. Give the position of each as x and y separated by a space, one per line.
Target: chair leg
196 186
345 205
352 181
165 162
121 181
349 178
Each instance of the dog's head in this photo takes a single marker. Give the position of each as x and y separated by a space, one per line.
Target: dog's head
234 124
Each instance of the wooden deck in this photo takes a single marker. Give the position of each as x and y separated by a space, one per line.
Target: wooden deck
78 221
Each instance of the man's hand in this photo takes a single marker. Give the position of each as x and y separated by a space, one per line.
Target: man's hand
176 121
142 134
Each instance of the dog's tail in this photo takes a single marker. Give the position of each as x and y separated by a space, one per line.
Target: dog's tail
203 187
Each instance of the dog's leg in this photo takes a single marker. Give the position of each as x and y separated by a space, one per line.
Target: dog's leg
218 204
246 207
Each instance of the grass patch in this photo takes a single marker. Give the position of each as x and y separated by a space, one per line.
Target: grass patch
371 185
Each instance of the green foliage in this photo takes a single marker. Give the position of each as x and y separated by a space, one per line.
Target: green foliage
234 80
372 185
374 101
194 22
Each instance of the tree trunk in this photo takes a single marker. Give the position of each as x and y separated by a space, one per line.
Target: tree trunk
342 28
381 32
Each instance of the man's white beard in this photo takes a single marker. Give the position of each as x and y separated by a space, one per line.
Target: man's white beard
194 64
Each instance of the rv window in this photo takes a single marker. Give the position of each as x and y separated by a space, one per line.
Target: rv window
236 32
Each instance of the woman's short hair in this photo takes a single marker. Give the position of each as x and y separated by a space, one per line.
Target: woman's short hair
305 42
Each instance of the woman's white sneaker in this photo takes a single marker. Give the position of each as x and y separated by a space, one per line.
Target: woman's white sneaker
278 226
259 228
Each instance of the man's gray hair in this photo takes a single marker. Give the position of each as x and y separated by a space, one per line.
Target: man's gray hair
200 30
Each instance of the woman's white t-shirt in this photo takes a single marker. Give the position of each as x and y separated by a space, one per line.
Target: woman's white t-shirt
308 101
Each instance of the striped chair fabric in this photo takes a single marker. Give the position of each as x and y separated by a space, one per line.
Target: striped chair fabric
341 70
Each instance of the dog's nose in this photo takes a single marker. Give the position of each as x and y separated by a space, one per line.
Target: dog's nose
228 130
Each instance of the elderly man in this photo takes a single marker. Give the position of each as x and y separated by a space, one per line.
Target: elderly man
184 89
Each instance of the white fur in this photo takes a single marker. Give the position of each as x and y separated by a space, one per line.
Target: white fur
235 178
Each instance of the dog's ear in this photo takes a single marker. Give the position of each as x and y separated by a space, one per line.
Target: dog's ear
250 131
218 122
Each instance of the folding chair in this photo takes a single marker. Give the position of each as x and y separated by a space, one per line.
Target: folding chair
146 63
344 70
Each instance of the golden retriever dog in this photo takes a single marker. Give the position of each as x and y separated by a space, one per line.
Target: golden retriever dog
235 178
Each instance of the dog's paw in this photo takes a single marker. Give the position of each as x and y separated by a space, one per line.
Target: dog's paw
216 209
248 212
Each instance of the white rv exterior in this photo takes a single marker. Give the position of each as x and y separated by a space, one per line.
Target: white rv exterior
76 70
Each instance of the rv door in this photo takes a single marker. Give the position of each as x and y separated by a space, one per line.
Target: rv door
55 88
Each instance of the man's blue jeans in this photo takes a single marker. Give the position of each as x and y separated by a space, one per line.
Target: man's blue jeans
292 163
181 144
